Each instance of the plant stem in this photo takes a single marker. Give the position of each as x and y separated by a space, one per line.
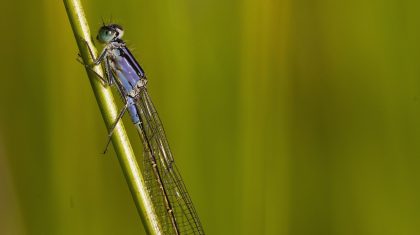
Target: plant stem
109 112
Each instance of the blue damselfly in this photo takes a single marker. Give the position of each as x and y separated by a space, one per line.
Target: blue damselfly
166 188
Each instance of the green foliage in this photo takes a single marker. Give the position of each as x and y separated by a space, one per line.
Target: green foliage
285 117
109 110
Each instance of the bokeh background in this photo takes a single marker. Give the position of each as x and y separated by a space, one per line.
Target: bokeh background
284 116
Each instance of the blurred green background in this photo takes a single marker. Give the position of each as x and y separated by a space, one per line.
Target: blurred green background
285 117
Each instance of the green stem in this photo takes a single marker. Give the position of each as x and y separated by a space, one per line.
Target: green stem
109 112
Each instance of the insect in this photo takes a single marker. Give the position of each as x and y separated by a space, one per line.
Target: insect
170 199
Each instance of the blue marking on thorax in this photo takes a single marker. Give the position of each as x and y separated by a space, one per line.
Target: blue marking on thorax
128 78
124 72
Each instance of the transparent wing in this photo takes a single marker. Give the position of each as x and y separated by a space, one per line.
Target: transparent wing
169 195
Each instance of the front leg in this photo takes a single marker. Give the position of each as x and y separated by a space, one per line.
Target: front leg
95 62
109 75
90 68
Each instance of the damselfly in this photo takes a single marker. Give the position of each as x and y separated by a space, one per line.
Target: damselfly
166 188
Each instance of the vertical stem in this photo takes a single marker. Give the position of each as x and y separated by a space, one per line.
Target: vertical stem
109 112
